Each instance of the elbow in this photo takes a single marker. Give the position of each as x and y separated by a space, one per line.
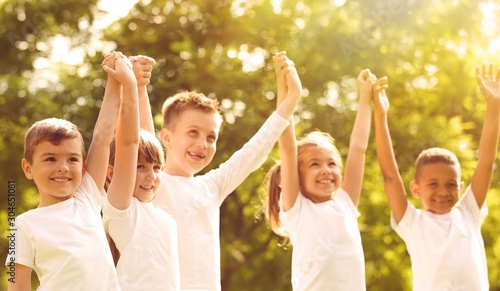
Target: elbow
130 141
392 179
100 137
358 147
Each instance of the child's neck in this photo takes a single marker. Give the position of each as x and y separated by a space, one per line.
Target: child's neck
48 200
173 171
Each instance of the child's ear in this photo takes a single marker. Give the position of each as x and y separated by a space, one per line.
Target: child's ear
461 185
26 169
165 137
415 189
109 174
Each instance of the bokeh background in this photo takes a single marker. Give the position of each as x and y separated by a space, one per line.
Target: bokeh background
51 51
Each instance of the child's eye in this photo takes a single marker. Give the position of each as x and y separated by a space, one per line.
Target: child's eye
74 160
193 132
211 138
140 167
157 168
50 159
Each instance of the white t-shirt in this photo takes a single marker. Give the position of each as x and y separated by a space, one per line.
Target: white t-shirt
446 250
327 252
146 238
65 243
194 204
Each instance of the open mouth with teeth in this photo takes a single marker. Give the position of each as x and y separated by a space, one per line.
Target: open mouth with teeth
441 201
197 155
327 181
61 180
147 188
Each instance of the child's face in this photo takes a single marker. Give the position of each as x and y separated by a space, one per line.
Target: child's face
56 169
319 173
438 186
147 180
191 144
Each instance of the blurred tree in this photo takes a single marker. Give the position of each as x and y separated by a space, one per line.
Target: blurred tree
223 48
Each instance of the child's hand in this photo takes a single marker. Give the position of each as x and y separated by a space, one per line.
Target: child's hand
488 82
142 67
281 65
119 67
380 100
289 86
365 81
109 60
293 83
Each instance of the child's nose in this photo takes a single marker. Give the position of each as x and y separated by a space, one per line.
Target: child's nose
443 190
202 142
325 170
151 175
63 167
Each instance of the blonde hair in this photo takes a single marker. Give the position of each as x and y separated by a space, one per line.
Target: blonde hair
174 106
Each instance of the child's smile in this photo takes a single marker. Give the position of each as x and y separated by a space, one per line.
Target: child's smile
56 170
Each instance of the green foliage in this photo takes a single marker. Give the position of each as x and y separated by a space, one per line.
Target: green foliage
223 48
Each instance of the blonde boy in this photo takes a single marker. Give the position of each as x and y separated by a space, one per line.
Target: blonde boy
190 132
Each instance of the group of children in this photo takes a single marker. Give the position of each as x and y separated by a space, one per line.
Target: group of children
126 217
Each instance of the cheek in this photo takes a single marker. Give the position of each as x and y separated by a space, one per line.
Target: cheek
305 178
138 177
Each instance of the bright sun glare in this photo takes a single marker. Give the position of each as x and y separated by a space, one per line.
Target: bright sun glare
62 51
490 26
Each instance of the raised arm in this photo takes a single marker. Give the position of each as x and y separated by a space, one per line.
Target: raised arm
121 187
104 129
355 162
289 86
488 144
143 66
393 183
287 107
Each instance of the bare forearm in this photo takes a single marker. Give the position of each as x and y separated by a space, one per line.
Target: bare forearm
393 182
146 116
355 162
385 152
361 130
488 143
98 154
289 167
106 120
488 146
128 128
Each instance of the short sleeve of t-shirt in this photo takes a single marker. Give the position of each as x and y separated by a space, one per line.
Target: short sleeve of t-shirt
469 202
467 205
22 252
120 220
89 189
